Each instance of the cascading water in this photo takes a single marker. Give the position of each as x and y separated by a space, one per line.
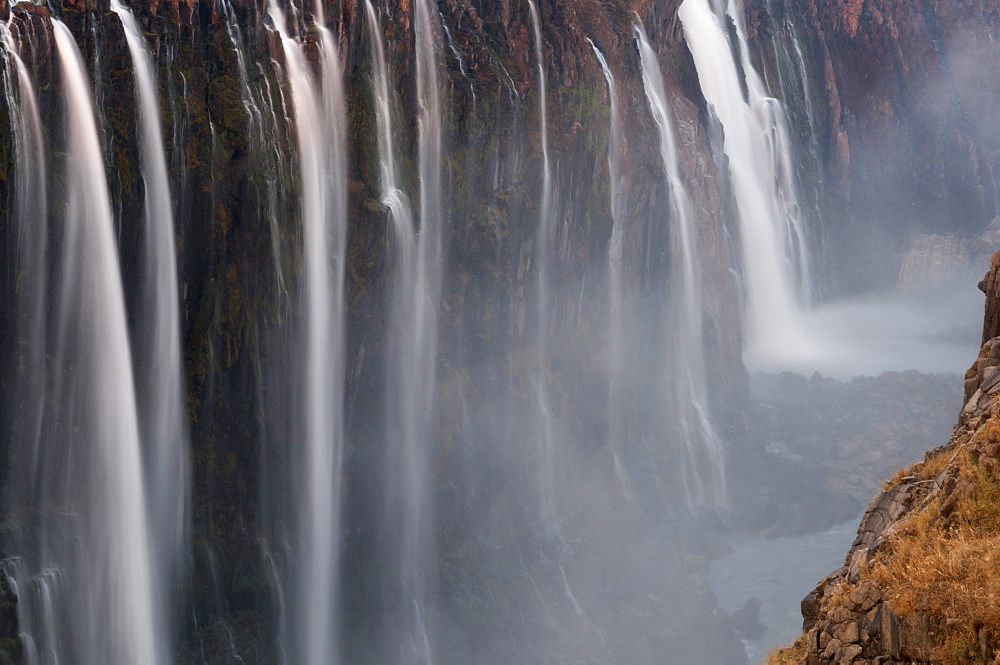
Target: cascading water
775 258
406 533
619 337
93 573
30 218
703 474
420 355
393 198
546 435
793 81
162 418
311 624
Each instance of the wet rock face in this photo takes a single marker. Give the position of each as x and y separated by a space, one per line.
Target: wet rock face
901 94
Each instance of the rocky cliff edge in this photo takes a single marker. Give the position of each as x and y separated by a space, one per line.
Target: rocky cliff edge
921 582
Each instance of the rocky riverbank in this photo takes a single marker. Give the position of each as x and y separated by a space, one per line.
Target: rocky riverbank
919 584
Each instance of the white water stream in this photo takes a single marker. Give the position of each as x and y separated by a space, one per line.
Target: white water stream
703 473
162 416
772 237
30 217
547 463
320 119
619 332
415 259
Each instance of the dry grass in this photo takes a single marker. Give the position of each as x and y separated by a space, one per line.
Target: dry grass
793 655
928 470
950 569
836 594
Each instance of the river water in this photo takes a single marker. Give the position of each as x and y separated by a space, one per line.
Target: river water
778 572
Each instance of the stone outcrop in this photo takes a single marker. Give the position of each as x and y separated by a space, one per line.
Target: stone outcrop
991 287
850 617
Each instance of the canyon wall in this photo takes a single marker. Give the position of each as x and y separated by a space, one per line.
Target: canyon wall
892 105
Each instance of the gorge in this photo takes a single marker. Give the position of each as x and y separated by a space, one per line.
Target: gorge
413 331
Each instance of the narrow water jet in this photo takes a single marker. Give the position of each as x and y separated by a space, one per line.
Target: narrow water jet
543 232
619 334
30 220
419 345
162 418
703 473
407 511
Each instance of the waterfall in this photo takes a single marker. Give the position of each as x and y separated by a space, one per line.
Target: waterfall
30 219
320 121
775 258
163 421
393 199
703 474
619 336
407 531
799 98
546 435
420 354
93 527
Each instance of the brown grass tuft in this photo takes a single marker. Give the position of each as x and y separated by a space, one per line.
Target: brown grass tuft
926 470
793 655
949 568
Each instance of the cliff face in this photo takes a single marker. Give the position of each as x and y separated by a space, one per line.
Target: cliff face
919 582
894 116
